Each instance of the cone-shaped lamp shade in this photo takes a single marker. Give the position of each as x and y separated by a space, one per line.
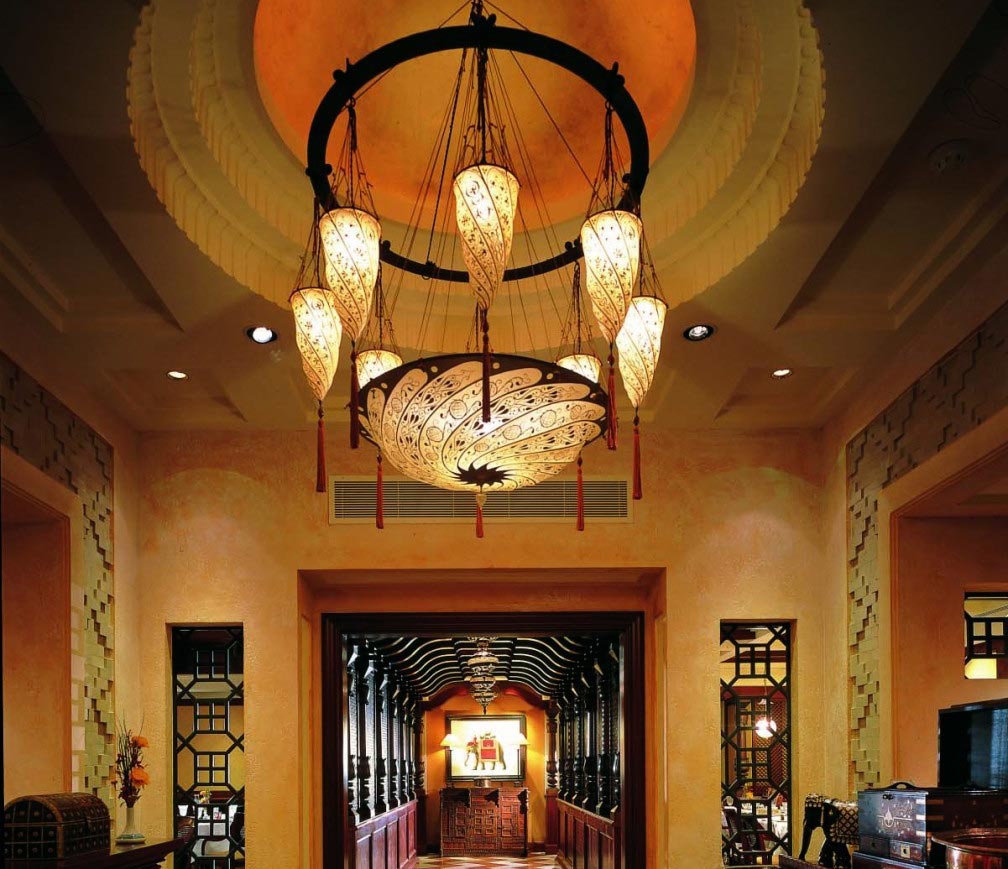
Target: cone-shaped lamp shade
350 240
374 363
611 244
585 364
318 331
639 343
486 198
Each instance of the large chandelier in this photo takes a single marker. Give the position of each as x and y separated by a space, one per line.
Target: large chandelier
475 418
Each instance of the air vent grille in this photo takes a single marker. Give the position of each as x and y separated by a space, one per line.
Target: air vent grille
353 500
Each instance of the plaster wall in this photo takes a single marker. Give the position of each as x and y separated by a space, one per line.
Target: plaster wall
937 561
535 757
36 659
229 520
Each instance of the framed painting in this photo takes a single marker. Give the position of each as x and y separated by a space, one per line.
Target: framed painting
485 747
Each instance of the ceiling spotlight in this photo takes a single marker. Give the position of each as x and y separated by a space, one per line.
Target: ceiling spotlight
261 334
177 375
781 373
699 332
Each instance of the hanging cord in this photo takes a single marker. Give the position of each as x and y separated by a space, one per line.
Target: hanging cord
580 495
486 362
480 501
613 423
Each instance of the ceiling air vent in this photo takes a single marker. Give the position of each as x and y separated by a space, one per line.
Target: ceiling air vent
353 500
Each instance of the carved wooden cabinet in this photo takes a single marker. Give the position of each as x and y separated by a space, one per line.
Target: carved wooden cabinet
484 821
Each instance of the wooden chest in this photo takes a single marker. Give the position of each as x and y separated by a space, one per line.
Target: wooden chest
897 822
54 826
484 821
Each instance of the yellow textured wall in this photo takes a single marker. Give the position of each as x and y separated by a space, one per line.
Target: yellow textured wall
36 659
228 520
535 757
938 560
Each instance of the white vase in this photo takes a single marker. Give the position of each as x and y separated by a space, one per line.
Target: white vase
130 834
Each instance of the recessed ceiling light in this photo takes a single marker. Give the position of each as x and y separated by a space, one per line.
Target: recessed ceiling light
781 373
261 334
699 332
177 375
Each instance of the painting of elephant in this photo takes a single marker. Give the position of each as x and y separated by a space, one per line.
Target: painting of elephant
838 820
483 750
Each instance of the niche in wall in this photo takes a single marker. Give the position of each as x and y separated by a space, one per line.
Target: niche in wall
209 723
985 617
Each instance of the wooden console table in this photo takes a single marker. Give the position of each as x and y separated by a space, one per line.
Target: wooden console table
484 822
150 855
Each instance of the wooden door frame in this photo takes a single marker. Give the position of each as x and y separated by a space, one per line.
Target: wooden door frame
336 627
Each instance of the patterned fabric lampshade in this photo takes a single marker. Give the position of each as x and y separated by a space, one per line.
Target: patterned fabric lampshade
486 199
318 331
374 363
586 364
350 239
611 243
639 344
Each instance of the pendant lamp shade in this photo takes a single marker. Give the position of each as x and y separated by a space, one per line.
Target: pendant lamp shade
374 363
585 364
350 239
611 243
318 331
639 344
486 199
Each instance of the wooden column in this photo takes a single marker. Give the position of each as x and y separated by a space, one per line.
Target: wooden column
391 724
589 685
552 778
419 790
363 771
378 804
614 726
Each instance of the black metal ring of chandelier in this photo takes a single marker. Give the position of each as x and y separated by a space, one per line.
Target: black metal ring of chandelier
479 33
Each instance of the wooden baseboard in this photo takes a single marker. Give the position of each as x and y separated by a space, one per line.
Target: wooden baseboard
537 847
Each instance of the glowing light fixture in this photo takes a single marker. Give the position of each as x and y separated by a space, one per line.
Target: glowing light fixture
765 727
426 416
350 239
699 332
781 373
174 374
261 334
318 332
639 345
611 242
587 365
486 199
374 363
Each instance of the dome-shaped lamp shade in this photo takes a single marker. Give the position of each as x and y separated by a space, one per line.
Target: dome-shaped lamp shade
486 200
765 727
585 364
611 244
350 239
374 363
639 344
318 331
426 418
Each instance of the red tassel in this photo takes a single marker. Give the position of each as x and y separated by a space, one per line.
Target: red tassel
580 496
480 498
638 492
486 369
379 517
354 401
611 430
320 473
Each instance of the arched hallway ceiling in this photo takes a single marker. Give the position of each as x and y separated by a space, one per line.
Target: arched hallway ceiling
432 664
876 243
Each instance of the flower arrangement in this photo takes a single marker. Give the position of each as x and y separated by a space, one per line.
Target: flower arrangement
129 764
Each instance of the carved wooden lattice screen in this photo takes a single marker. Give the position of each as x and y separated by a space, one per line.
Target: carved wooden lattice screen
209 707
755 741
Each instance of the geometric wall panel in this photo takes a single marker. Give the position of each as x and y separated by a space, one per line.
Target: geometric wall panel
952 398
45 433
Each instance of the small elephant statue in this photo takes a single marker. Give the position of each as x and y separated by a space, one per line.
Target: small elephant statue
839 822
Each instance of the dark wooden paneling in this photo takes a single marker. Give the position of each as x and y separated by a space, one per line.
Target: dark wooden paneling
387 841
587 840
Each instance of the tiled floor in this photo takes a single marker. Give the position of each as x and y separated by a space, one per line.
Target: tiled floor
538 862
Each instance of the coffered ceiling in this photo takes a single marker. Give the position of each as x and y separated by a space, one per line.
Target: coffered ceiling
902 211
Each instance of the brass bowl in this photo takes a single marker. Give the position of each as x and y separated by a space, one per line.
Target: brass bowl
978 848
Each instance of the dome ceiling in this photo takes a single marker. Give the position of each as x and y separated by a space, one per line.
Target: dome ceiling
298 43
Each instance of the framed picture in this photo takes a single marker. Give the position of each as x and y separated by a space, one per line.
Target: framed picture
485 747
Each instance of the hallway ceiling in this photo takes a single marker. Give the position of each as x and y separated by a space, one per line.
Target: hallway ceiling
904 204
433 664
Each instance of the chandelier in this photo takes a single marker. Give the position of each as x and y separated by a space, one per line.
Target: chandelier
475 418
479 672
